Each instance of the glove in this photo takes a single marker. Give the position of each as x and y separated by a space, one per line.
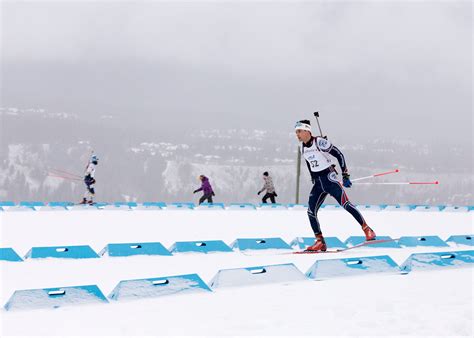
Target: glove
275 194
258 193
93 181
195 191
346 182
213 194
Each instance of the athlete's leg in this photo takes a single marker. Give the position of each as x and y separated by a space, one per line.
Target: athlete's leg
316 198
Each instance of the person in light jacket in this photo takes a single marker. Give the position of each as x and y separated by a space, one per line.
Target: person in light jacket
268 187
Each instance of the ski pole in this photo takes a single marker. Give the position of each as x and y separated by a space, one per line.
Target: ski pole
399 183
63 172
65 178
376 175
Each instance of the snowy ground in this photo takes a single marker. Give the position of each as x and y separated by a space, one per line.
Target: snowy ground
421 303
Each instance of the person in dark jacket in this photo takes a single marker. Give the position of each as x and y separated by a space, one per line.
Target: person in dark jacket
206 188
316 150
268 187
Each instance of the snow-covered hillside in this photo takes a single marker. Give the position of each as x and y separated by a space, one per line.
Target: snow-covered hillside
141 165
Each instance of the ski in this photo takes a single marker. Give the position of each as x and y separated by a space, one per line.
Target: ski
377 241
305 252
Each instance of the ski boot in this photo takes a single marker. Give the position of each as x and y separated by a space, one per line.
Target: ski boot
319 244
84 201
369 233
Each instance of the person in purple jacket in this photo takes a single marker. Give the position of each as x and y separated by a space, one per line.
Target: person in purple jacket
206 188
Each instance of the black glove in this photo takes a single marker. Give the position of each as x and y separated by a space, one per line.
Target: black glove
275 194
258 193
345 180
213 194
195 191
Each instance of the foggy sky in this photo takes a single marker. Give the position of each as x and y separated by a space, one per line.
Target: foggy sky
373 69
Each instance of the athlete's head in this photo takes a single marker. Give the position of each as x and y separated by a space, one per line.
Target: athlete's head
265 173
303 130
95 159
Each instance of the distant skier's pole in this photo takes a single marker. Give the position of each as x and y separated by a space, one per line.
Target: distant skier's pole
316 115
376 175
63 172
65 177
399 183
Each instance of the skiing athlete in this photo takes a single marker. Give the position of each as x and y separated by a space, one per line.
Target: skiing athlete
269 187
89 180
206 188
316 151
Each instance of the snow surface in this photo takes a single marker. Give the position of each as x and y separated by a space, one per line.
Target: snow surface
438 302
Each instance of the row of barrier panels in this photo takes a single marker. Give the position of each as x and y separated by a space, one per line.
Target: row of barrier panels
239 277
218 246
29 206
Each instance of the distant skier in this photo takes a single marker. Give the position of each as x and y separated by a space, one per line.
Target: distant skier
269 187
89 180
315 151
206 188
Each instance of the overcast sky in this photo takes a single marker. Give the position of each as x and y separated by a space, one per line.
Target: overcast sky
372 68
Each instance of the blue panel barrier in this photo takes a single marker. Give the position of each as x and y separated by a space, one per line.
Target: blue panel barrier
259 244
331 268
32 204
280 273
60 204
8 254
128 204
413 241
161 205
117 206
134 249
438 260
370 207
461 240
53 298
200 246
214 206
397 208
242 206
184 205
415 207
455 209
272 206
101 205
70 252
158 287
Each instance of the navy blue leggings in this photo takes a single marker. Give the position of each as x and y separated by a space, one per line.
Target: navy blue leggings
326 184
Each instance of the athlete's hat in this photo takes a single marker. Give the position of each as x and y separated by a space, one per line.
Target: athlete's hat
303 125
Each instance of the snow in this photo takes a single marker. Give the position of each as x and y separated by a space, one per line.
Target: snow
419 303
